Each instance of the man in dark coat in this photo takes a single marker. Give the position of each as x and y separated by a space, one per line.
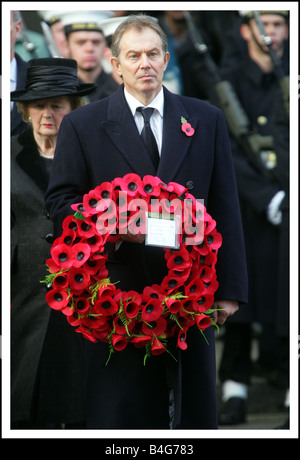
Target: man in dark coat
100 142
18 69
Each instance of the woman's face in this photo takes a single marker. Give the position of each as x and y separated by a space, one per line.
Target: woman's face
46 114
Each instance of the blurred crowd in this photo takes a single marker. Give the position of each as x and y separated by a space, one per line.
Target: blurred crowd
225 58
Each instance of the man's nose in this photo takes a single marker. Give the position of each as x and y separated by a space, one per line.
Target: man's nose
145 60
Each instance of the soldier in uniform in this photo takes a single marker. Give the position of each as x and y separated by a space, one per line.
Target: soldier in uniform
256 85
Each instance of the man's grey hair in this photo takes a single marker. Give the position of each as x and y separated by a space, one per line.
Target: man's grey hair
17 16
137 22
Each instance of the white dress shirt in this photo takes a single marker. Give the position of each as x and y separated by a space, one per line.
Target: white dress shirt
13 78
156 120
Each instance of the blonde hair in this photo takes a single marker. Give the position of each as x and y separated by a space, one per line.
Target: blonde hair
75 102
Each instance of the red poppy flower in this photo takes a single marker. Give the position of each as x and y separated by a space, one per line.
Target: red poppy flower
178 259
155 292
81 253
105 190
131 303
94 321
174 305
78 207
181 340
102 332
156 327
101 274
53 267
107 220
195 288
86 334
60 281
152 310
62 255
121 328
57 299
95 242
151 186
187 129
172 282
82 305
202 304
79 279
157 204
93 200
130 183
157 347
70 223
106 306
213 240
86 227
203 321
141 340
178 189
211 287
67 237
74 319
106 290
119 342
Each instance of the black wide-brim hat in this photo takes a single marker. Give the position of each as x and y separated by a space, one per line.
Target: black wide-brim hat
51 77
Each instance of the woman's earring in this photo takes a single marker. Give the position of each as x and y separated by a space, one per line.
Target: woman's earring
29 118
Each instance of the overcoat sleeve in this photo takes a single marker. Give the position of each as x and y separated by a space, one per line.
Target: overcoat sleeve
69 175
223 205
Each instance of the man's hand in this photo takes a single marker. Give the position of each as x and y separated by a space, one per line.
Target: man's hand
226 308
131 238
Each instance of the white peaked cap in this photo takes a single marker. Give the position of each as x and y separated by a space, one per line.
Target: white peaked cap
109 25
75 17
48 15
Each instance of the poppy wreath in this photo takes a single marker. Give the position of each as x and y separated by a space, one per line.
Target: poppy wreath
78 281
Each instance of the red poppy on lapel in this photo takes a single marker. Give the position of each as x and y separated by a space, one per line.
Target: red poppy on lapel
186 127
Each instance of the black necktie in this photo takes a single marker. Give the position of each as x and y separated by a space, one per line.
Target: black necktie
148 136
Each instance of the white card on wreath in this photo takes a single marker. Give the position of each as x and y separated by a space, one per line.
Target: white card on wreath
162 230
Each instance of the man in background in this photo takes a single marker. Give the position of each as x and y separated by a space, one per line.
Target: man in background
86 44
17 72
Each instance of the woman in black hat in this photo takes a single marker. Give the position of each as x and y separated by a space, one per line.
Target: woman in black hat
41 395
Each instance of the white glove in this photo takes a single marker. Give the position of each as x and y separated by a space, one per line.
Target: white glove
274 214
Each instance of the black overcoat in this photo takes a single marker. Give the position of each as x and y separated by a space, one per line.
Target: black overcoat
98 143
40 373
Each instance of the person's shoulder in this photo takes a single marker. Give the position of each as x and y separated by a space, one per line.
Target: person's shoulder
90 110
198 106
193 103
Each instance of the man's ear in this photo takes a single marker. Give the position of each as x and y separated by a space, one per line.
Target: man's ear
245 32
116 65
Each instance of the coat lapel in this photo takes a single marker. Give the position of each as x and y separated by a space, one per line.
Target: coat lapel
175 144
121 129
28 159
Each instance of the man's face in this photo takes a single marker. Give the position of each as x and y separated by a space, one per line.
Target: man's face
275 27
86 48
141 63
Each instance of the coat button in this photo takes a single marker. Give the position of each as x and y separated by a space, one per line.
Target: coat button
190 184
49 238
